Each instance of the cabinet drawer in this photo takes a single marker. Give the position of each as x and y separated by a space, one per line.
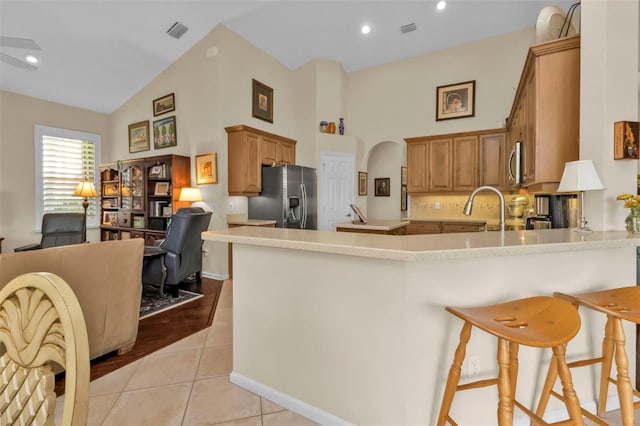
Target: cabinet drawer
462 227
424 228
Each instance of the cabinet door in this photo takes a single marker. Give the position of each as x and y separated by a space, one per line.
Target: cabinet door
417 155
244 163
465 163
440 162
424 227
492 160
253 175
269 151
287 153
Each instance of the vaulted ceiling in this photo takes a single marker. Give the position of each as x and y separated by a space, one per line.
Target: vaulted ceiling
97 54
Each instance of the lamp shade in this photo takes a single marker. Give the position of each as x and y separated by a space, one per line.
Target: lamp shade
580 175
85 189
190 194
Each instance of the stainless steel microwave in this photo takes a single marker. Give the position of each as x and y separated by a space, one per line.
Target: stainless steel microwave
516 164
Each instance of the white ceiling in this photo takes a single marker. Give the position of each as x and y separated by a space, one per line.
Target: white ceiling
97 54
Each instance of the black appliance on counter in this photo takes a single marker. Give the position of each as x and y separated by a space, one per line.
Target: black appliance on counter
553 211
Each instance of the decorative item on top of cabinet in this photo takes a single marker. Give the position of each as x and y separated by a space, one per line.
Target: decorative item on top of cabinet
455 162
546 112
248 150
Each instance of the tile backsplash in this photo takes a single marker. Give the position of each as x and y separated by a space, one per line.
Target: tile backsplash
486 206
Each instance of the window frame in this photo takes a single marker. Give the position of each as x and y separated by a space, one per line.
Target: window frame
40 132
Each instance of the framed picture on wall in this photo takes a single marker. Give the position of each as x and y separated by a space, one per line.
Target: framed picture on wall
139 136
403 175
165 133
456 100
206 169
383 187
164 104
403 198
362 183
262 101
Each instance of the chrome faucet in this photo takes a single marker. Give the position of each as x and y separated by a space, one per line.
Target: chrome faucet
469 206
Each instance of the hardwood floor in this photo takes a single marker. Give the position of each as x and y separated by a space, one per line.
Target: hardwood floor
160 330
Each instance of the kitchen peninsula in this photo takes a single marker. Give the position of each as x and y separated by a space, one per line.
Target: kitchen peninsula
350 328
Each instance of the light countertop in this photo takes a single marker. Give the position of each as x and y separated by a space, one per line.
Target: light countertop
423 247
375 224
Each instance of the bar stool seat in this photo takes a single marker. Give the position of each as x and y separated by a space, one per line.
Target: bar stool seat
617 304
543 322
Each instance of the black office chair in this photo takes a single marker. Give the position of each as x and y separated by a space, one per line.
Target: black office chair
183 250
59 229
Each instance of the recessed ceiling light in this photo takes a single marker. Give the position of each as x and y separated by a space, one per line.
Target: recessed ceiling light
32 59
366 29
441 5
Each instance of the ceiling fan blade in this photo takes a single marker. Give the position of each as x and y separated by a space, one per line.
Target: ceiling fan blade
19 43
16 62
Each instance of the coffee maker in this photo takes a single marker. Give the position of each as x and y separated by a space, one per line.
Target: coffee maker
553 211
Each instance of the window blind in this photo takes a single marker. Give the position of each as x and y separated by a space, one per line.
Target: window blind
65 162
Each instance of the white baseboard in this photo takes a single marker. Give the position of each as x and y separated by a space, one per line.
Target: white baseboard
292 404
219 277
613 403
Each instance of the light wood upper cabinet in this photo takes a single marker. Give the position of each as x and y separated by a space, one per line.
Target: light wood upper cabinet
465 163
454 163
440 165
546 111
417 167
248 150
277 151
492 160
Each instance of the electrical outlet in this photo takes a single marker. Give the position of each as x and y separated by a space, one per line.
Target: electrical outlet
436 205
474 365
230 207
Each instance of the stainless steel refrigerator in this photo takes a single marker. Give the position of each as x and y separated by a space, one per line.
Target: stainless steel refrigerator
289 196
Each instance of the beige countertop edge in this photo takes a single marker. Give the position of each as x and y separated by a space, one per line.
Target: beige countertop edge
424 247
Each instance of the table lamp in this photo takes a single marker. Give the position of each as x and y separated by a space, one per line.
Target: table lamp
580 176
85 189
190 194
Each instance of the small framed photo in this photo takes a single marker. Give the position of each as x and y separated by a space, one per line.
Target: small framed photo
362 183
262 101
109 189
165 133
155 171
206 169
403 198
110 218
162 188
164 104
139 136
456 100
403 175
383 187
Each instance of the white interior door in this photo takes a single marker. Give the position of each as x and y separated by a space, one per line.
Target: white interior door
338 181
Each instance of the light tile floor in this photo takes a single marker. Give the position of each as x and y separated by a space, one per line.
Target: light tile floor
186 383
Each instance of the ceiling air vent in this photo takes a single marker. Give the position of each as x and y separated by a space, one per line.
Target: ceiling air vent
177 30
408 28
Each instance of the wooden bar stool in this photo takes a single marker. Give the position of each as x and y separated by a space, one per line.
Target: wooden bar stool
543 322
617 304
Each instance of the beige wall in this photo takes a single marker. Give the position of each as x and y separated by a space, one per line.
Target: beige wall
381 104
394 101
18 116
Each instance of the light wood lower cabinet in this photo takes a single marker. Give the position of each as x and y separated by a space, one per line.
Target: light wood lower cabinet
417 227
401 230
